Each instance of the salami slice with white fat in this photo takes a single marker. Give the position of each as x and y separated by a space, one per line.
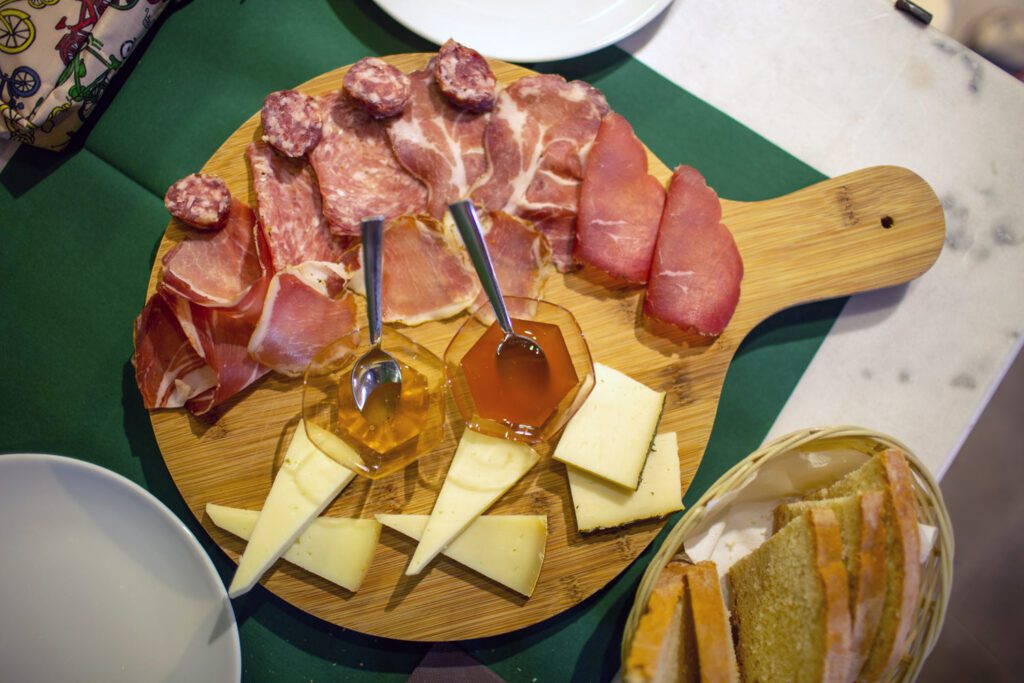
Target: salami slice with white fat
200 200
465 78
377 88
291 122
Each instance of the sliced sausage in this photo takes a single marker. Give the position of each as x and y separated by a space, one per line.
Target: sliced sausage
377 88
465 78
203 201
291 122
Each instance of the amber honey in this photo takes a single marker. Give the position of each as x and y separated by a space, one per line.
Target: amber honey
389 419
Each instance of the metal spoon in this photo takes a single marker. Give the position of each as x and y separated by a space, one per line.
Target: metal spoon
376 369
466 219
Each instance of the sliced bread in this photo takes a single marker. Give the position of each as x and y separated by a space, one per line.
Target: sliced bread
716 658
790 604
664 648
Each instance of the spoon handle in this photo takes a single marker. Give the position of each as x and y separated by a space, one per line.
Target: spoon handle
465 217
373 261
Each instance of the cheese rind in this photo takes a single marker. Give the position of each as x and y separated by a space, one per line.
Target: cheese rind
600 504
482 470
304 486
337 549
612 432
506 548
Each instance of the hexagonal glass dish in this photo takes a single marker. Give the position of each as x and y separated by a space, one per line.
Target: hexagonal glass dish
524 312
339 429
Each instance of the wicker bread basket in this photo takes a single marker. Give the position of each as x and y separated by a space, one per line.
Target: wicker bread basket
936 571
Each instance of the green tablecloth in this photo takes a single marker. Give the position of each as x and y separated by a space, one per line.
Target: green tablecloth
78 233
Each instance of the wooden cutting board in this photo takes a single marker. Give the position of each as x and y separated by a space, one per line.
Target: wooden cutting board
825 241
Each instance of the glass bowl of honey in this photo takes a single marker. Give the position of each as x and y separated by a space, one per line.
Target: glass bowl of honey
513 398
388 434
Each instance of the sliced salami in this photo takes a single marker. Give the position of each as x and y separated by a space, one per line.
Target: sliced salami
377 88
200 200
465 78
291 122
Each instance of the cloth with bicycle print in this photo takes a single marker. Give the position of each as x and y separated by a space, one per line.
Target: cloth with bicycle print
57 58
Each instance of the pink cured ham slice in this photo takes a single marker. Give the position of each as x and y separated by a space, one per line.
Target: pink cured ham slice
290 212
439 144
358 173
216 269
620 204
425 277
697 268
537 142
168 370
306 308
520 254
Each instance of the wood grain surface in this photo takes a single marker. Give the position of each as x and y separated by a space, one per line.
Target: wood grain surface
824 241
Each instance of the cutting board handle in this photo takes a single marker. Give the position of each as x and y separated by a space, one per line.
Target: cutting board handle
872 228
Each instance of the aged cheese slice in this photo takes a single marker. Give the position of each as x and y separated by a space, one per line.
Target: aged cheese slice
613 430
482 469
338 549
306 484
506 548
600 504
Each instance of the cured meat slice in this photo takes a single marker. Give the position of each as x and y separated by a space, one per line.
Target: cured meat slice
376 87
291 122
425 277
537 142
168 370
216 269
465 78
620 204
697 269
440 145
358 173
290 212
200 200
306 308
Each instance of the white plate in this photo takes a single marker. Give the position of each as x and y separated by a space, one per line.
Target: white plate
100 582
525 30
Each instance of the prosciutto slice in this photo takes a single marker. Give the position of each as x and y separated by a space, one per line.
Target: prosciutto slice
358 173
425 276
537 142
290 212
439 144
219 268
697 269
306 308
620 204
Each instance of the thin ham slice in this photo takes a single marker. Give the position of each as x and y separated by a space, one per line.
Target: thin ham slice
537 141
425 276
358 173
306 308
219 268
439 144
697 269
290 212
620 204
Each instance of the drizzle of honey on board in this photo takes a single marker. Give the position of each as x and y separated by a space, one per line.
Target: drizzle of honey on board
389 419
516 388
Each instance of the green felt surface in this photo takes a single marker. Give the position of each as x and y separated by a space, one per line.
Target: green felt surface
80 231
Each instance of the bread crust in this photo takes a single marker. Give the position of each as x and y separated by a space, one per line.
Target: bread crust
714 636
644 652
869 584
835 589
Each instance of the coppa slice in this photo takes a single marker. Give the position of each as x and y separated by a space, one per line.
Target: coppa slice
506 548
358 173
337 549
425 278
482 470
696 273
620 204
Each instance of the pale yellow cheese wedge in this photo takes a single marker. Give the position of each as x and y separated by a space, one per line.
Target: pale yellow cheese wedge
599 504
482 470
338 549
612 432
304 486
506 548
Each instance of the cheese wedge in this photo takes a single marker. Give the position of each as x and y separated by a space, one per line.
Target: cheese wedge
482 470
611 434
337 549
600 504
304 486
506 548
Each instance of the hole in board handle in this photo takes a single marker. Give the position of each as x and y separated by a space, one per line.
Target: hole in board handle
887 222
